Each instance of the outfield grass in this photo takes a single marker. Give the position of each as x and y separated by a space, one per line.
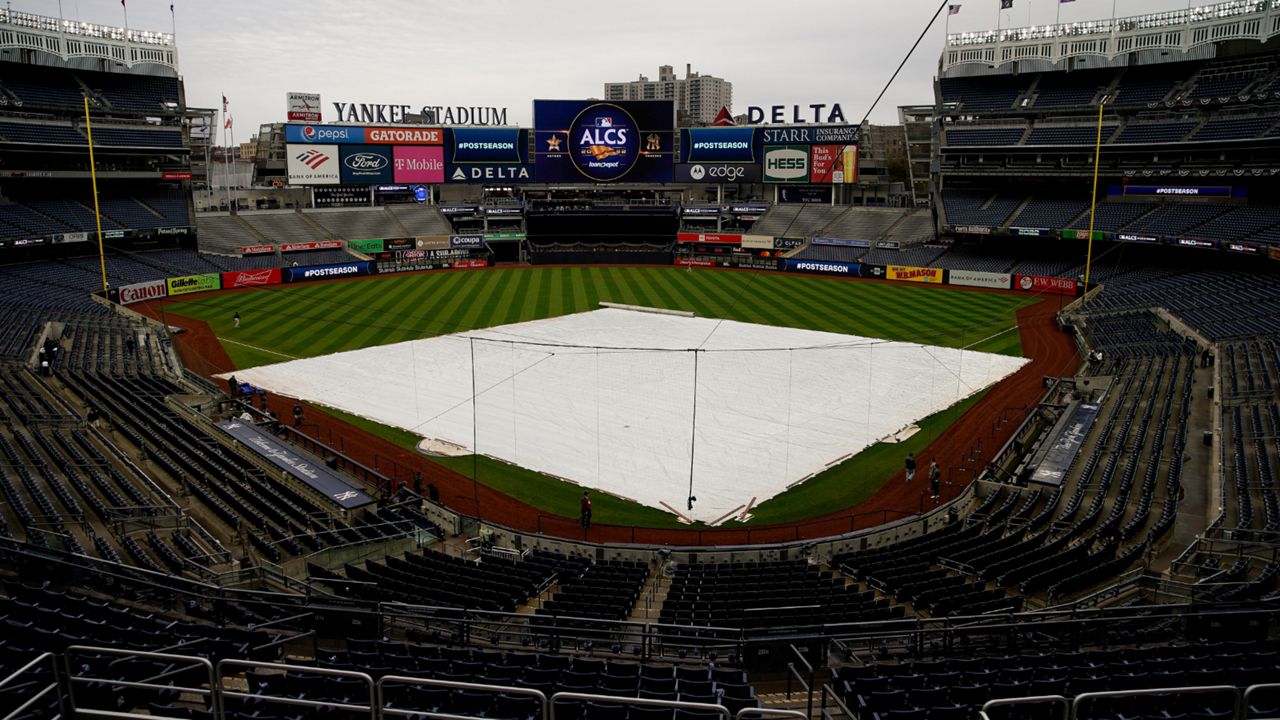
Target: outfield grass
291 321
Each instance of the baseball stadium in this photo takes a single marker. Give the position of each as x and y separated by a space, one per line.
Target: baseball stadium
626 416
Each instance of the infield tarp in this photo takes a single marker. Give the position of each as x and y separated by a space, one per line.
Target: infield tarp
304 468
563 396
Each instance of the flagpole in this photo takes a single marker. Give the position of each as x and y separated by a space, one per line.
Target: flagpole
173 30
1057 20
93 179
226 179
128 61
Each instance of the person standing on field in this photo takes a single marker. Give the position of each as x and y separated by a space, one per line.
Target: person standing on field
586 510
935 479
910 464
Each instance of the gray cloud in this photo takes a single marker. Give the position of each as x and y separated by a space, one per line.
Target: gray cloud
507 52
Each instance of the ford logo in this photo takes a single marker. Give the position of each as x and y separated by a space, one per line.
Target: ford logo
366 161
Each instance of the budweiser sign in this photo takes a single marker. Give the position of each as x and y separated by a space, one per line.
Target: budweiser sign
251 278
139 292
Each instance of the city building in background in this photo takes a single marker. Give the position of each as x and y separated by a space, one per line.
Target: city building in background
698 97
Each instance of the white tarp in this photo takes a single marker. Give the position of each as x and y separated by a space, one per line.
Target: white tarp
573 396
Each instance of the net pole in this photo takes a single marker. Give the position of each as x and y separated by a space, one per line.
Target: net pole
475 435
693 427
93 179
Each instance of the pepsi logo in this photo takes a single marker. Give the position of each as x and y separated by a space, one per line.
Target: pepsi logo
308 133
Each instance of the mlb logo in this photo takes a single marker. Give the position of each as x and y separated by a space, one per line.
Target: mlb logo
604 122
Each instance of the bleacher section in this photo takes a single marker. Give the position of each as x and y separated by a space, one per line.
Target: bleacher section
366 224
281 227
969 207
33 214
421 220
863 223
802 220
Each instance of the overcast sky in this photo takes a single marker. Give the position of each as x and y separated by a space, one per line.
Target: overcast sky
504 53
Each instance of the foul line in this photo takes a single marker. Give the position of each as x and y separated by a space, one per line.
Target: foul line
990 337
259 349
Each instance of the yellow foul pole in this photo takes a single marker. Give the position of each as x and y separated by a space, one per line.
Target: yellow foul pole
1093 204
93 176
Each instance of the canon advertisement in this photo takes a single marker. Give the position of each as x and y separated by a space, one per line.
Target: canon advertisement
584 140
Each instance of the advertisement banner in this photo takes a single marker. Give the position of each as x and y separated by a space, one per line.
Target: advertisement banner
457 209
842 242
1046 284
334 134
786 164
175 175
695 262
717 238
319 478
398 244
810 135
757 242
505 236
915 274
1197 242
326 272
716 173
487 145
404 136
975 230
418 164
576 140
71 237
250 278
1132 237
833 164
705 211
482 173
368 247
821 266
466 241
193 284
973 278
431 242
257 249
1173 190
302 107
313 164
719 145
470 263
1242 248
139 292
1028 232
321 245
365 164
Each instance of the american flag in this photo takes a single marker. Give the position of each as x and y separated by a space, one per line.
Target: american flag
953 9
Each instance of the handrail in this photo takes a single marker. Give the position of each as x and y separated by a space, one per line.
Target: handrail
372 707
73 679
52 686
720 710
1195 689
1030 700
538 695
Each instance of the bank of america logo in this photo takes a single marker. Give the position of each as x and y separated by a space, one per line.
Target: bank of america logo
312 158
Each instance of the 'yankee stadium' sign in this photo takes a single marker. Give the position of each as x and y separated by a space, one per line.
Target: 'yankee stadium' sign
432 114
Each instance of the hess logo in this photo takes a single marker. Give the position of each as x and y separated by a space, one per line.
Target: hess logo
786 164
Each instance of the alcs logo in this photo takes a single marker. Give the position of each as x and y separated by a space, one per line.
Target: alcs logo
605 142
